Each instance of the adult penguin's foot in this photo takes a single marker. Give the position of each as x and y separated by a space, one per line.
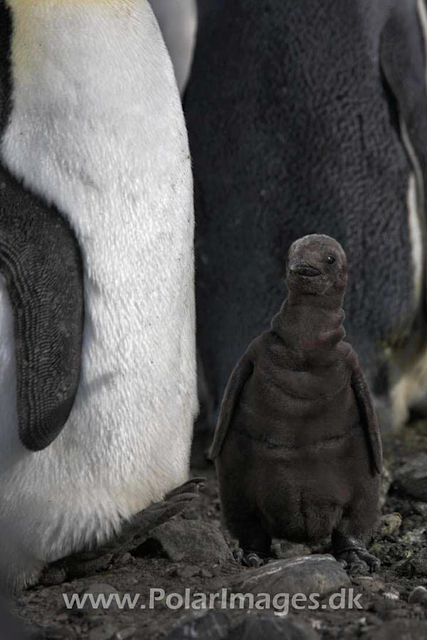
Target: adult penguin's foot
133 533
253 559
353 555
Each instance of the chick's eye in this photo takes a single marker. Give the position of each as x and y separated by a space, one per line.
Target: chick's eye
330 259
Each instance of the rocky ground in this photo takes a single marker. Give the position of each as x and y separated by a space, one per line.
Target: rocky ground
190 552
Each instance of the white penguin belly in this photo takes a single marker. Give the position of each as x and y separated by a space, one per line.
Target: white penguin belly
97 129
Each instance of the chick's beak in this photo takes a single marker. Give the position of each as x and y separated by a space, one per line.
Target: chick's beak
303 269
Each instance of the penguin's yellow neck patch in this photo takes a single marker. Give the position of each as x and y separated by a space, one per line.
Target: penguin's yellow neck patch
40 25
16 5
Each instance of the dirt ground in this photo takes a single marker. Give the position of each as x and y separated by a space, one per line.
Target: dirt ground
403 555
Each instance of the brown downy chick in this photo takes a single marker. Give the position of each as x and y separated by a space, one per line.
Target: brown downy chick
297 445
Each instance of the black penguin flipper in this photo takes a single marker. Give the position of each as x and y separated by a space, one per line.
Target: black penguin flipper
240 374
368 416
41 264
403 63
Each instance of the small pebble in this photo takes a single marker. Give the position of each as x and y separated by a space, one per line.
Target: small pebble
206 574
189 571
418 610
415 537
61 617
382 606
54 633
106 632
95 620
123 559
390 524
405 567
125 634
420 508
411 478
391 593
386 480
370 584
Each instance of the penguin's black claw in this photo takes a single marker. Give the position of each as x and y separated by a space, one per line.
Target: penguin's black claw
250 558
238 555
359 561
78 565
192 486
372 561
253 560
350 550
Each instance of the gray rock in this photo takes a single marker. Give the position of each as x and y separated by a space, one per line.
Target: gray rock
189 541
211 626
369 583
50 633
420 508
386 481
97 590
401 630
418 565
390 524
106 632
99 587
123 559
415 537
417 595
125 634
391 593
385 607
273 628
411 478
320 574
285 550
188 571
405 567
93 620
206 574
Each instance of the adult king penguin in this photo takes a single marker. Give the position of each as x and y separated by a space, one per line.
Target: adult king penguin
178 21
94 149
317 123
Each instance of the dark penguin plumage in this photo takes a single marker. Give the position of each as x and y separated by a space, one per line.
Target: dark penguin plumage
41 264
307 118
297 445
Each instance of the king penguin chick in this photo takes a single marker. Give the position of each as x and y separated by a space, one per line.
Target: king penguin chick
297 444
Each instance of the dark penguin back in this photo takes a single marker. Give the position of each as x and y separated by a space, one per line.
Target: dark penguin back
294 130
